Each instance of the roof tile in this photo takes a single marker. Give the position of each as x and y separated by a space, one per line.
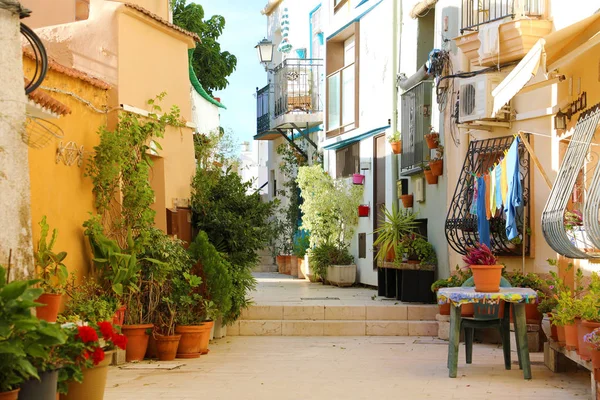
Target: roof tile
163 21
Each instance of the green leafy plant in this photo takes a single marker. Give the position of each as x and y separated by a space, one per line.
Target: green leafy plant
50 269
187 298
329 207
326 254
301 244
573 219
394 137
87 303
456 279
23 338
394 225
424 251
567 309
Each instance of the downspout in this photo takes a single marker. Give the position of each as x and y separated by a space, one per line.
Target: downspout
395 71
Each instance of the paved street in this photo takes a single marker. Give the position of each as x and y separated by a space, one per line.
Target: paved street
341 368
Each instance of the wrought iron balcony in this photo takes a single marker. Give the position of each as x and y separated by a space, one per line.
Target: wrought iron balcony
263 115
298 87
478 12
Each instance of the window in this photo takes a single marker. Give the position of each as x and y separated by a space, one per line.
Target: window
416 119
341 92
337 4
347 161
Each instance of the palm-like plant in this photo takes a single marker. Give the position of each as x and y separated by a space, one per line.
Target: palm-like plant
393 227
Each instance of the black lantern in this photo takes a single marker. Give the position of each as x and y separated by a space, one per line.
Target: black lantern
560 120
265 51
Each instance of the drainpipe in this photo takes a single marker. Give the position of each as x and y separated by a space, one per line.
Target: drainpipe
395 70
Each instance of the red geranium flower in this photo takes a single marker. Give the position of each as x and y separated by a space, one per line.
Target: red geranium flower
87 334
120 341
98 355
107 329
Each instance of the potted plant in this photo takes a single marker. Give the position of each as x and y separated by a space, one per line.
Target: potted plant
456 279
407 200
532 281
437 163
85 357
568 309
429 177
208 315
484 265
590 315
333 263
87 303
432 139
396 142
592 339
189 322
25 341
394 225
51 272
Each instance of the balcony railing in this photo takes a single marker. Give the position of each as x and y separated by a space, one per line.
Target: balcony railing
263 116
478 12
298 86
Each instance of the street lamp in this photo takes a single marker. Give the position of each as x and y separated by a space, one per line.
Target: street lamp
265 52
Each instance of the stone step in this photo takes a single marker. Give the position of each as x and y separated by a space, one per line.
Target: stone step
297 327
265 268
392 312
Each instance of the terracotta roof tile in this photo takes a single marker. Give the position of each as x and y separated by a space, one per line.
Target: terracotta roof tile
163 21
44 100
73 73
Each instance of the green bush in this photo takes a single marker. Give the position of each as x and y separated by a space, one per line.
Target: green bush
326 254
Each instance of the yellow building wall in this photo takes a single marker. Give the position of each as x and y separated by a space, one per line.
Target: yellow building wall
151 62
62 193
158 7
61 12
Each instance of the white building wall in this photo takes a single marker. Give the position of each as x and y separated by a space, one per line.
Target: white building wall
205 115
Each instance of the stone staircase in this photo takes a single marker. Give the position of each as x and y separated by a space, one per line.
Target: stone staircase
266 263
337 320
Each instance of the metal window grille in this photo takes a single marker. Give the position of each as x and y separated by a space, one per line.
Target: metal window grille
416 120
478 12
262 109
461 226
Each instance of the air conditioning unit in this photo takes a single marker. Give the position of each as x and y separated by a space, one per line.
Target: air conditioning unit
475 97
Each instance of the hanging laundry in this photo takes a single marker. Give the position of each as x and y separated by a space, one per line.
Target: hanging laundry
514 196
473 209
483 225
493 192
488 213
498 174
503 181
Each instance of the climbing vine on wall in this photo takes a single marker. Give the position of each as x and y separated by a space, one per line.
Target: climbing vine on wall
120 171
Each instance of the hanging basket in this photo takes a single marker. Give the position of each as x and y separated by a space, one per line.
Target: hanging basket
397 147
38 132
363 210
358 179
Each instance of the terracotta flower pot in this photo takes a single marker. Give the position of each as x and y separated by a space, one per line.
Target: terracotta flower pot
391 255
166 347
467 310
437 167
432 140
487 277
49 312
445 309
294 266
583 328
532 314
301 268
12 395
286 265
280 264
94 382
560 333
595 355
151 349
205 336
137 341
397 147
119 316
430 178
407 200
571 336
189 344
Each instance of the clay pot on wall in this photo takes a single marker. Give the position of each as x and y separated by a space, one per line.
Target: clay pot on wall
407 200
432 140
487 277
397 147
430 178
437 167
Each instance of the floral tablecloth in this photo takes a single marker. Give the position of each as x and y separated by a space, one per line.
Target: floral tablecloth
464 295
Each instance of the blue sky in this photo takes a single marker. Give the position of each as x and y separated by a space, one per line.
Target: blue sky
245 26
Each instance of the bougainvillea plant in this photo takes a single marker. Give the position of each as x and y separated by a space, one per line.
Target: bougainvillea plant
85 348
480 254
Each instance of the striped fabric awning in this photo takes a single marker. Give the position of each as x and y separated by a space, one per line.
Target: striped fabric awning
285 46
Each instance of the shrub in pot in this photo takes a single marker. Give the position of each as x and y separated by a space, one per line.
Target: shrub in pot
592 339
590 315
394 226
189 322
416 249
87 302
51 272
326 255
568 309
396 142
436 164
429 176
85 359
25 338
484 265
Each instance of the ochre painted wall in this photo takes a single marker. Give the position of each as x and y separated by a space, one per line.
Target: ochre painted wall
158 7
61 192
151 62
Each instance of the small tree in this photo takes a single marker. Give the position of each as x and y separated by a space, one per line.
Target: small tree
330 206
